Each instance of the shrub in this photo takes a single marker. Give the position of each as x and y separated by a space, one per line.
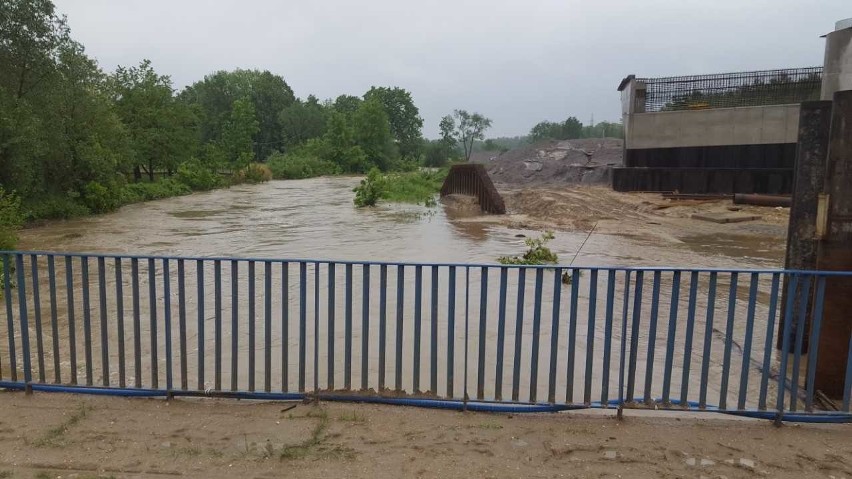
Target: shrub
136 192
197 176
256 173
370 189
414 187
100 198
537 253
54 207
298 165
11 219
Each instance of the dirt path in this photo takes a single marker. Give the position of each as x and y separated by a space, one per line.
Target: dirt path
57 435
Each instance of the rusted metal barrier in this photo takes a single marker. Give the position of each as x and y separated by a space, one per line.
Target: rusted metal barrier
473 180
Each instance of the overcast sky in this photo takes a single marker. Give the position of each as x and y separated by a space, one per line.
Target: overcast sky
517 62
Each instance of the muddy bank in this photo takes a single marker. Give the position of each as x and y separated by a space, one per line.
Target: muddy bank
53 435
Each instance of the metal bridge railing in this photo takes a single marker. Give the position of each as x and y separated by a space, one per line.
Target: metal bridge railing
726 90
475 336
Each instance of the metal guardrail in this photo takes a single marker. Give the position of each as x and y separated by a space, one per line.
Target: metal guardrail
726 90
475 336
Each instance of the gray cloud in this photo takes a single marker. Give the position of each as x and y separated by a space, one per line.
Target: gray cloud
516 62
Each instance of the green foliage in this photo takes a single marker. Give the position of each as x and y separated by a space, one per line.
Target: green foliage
370 190
302 121
537 252
11 220
468 128
54 207
254 173
197 176
372 133
237 133
414 187
100 198
403 117
572 129
136 192
298 165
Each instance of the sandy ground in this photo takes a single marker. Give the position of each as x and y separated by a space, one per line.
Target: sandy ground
57 435
641 215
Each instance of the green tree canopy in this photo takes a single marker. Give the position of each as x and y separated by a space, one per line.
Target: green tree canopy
404 118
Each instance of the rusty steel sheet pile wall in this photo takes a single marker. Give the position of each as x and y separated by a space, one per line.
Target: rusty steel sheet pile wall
473 180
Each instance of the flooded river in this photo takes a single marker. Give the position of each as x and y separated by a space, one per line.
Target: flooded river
315 219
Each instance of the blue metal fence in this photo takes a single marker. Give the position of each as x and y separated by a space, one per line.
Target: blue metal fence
459 335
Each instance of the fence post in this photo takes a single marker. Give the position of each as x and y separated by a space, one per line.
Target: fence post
25 326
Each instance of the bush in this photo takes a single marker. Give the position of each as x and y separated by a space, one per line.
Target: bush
537 253
11 220
136 192
255 173
101 199
414 187
297 165
54 207
197 176
370 189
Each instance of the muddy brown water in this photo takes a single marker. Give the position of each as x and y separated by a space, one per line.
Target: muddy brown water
315 219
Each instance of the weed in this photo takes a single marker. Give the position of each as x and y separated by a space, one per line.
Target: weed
306 447
352 417
537 253
56 436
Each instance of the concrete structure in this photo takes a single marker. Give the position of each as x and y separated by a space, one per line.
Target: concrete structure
837 74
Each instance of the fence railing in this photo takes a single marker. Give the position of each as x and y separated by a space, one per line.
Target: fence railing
470 335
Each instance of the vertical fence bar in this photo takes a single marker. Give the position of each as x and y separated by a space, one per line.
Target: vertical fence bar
152 299
539 277
729 331
847 389
554 334
217 325
670 338
252 318
483 327
347 348
804 302
383 307
316 324
451 330
768 344
466 329
303 320
792 288
199 280
25 324
184 381
103 320
365 326
400 297
572 336
519 333
137 327
119 307
87 319
37 318
687 347
72 328
10 319
418 326
54 327
235 316
433 336
285 327
501 335
813 343
331 301
652 337
267 326
634 335
708 340
749 332
623 353
590 333
167 323
610 306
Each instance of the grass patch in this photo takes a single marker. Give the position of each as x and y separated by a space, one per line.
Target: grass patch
55 437
352 417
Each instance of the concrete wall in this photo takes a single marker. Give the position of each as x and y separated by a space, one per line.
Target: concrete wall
837 67
758 125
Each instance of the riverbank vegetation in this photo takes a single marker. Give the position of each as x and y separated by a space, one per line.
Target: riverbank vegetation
419 187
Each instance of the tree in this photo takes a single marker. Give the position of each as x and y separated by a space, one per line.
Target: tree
237 133
162 130
404 118
373 134
570 129
302 121
346 104
470 127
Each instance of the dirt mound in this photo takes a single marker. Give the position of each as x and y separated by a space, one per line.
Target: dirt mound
586 161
